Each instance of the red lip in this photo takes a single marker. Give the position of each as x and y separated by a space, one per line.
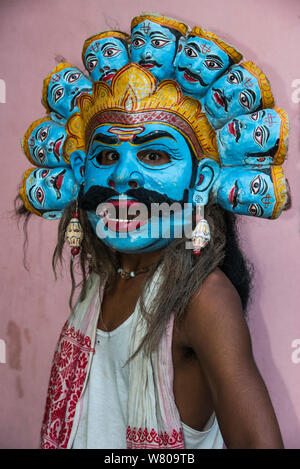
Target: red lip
59 181
231 129
148 66
188 77
121 223
108 77
57 146
231 195
218 98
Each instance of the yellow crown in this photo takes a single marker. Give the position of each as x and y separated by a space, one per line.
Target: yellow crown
280 190
283 137
162 20
134 98
227 48
57 69
23 193
103 35
25 140
263 82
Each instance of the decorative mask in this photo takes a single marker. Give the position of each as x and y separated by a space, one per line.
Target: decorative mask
242 90
62 88
259 138
243 190
43 143
146 152
154 42
136 142
201 59
46 192
105 53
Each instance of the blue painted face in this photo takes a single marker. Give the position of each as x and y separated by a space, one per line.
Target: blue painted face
51 190
46 145
64 90
198 63
235 93
245 191
104 57
148 163
250 139
154 47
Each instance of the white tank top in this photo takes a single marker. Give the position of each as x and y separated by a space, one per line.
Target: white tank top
103 418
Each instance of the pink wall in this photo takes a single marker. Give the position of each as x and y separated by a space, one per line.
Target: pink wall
33 306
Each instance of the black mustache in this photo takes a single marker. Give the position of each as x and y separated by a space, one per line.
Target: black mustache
84 90
58 193
152 62
96 195
193 75
237 130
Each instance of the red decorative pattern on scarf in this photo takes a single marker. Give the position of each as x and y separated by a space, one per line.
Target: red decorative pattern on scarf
67 378
145 439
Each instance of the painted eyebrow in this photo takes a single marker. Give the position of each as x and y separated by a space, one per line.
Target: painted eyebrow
216 57
253 94
90 55
30 190
106 139
240 73
156 134
193 44
137 33
54 88
158 33
109 44
267 131
67 73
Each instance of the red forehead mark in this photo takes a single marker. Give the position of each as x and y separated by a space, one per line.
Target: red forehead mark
31 142
95 47
248 83
126 133
270 120
146 28
55 77
205 48
267 200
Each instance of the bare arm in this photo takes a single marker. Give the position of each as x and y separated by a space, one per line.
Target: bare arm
217 332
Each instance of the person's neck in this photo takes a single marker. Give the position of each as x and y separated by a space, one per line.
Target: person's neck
134 262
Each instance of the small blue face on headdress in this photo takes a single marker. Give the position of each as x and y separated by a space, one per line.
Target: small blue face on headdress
250 139
46 143
104 57
198 63
243 190
246 191
235 93
130 168
51 189
154 47
64 90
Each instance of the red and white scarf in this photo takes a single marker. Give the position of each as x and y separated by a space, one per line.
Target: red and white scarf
153 418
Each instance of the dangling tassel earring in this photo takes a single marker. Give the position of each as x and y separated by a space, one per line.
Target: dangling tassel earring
74 233
201 233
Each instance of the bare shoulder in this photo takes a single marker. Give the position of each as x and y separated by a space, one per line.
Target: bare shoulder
214 316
